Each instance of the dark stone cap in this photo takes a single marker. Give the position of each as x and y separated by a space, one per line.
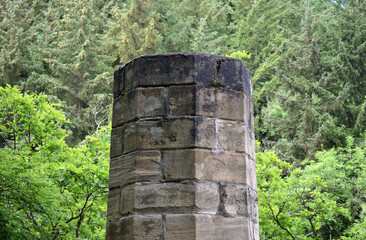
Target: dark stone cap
168 69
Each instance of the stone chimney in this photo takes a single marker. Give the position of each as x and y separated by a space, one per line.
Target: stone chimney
182 150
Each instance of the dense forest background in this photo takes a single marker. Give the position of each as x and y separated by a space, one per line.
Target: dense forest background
308 64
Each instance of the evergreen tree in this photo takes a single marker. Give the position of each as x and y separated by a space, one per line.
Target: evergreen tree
135 28
19 56
80 70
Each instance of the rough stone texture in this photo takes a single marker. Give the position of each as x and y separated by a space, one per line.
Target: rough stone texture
116 142
149 227
186 197
135 167
208 165
139 103
220 103
239 200
181 100
113 211
208 227
182 150
231 135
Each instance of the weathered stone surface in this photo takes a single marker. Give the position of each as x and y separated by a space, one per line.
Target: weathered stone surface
139 103
207 197
201 197
179 164
250 145
231 135
224 167
173 133
247 83
147 227
203 164
208 227
116 142
150 102
230 74
239 200
118 83
220 103
166 195
205 132
131 138
181 100
180 227
113 204
124 108
182 68
205 69
216 227
249 123
169 133
157 70
141 166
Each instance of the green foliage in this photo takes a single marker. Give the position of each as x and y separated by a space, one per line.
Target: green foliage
292 207
241 55
48 190
326 198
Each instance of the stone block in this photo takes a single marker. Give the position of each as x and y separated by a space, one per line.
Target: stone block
172 133
179 164
139 103
249 123
141 166
216 227
131 137
181 100
124 108
147 227
239 200
207 227
207 197
169 134
229 73
231 135
116 142
224 167
220 103
139 197
202 164
118 83
131 76
180 227
247 83
150 102
249 114
185 196
113 204
205 132
158 70
205 69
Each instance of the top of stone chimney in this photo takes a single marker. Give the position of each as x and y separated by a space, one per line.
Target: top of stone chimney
182 68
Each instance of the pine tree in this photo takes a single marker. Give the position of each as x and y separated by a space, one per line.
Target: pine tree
80 70
199 26
19 56
302 101
135 28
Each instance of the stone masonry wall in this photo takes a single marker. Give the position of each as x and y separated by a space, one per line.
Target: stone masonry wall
182 150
